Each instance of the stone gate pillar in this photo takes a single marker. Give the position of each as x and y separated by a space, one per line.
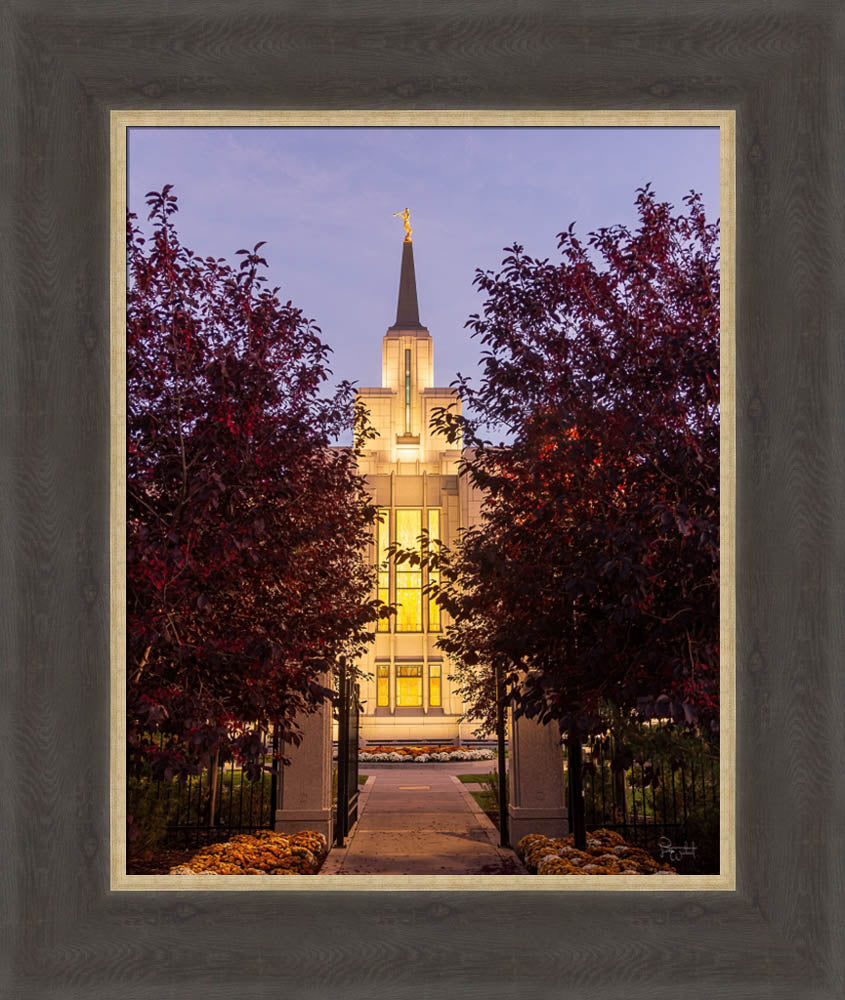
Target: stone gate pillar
305 785
536 791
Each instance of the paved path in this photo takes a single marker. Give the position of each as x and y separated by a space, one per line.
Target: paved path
420 820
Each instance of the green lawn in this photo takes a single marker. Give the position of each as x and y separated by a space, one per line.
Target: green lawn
488 802
362 778
486 796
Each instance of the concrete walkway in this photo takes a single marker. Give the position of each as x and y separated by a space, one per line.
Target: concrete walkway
420 820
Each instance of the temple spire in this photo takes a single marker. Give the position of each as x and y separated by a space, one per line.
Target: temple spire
407 309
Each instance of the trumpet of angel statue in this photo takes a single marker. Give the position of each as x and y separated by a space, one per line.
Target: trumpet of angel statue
405 217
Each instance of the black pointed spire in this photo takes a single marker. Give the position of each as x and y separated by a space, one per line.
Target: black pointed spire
407 309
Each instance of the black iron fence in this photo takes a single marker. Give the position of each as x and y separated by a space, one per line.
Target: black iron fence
211 805
672 794
348 711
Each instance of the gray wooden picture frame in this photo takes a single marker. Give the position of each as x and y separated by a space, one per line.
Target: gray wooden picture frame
63 67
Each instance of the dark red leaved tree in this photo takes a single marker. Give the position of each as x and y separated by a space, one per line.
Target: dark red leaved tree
594 575
245 528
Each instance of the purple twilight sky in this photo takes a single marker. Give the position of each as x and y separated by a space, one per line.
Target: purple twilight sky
323 199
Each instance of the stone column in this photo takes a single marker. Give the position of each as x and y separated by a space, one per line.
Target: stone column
536 791
305 785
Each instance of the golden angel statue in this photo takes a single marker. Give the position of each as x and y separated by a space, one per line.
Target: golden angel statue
405 217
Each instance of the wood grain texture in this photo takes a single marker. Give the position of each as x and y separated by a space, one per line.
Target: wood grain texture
62 67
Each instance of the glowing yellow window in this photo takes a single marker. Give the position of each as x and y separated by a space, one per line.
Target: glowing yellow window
434 694
383 563
434 575
409 683
408 577
383 685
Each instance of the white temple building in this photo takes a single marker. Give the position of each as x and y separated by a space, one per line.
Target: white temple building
413 477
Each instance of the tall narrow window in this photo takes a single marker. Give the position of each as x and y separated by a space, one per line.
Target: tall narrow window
434 693
408 577
383 564
407 392
433 574
383 685
409 685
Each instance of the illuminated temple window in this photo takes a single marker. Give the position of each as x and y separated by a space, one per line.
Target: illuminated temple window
433 575
409 578
434 684
383 563
409 682
383 691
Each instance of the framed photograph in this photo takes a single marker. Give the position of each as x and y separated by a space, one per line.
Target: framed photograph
76 78
200 786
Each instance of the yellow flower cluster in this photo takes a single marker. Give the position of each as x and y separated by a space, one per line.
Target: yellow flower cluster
261 853
412 751
606 854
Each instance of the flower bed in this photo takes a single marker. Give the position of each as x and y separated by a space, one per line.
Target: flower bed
420 755
606 854
261 853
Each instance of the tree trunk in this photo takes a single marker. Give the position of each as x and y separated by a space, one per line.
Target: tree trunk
212 799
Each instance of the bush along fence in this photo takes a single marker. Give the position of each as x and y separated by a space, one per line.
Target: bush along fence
657 786
208 806
229 798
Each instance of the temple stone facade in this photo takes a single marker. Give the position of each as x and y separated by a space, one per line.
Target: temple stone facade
413 477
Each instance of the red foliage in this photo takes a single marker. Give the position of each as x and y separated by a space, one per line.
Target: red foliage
596 566
245 527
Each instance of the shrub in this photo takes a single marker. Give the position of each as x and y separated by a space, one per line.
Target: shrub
147 815
155 808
